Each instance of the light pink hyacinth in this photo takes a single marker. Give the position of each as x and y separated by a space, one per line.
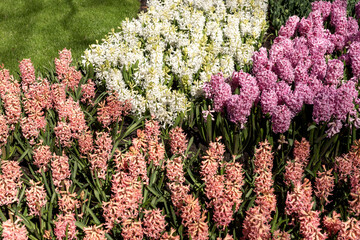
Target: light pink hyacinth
153 223
14 230
178 141
35 197
65 223
94 233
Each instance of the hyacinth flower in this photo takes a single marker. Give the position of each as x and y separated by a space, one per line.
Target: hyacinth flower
14 230
10 96
256 224
186 205
299 200
223 191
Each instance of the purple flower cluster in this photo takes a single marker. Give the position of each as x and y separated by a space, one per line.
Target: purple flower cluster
237 106
299 68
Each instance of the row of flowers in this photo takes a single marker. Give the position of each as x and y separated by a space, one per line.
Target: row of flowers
161 59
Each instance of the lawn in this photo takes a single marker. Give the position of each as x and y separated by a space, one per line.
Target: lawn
38 29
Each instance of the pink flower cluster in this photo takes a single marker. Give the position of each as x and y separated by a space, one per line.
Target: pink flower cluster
238 106
101 155
223 191
14 230
294 170
299 200
348 165
10 182
178 141
4 132
324 185
257 221
10 95
37 98
112 110
61 171
186 205
65 227
35 197
67 74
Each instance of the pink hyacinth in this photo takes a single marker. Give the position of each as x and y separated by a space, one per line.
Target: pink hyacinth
269 101
302 151
280 235
94 233
35 197
354 54
13 230
68 202
132 230
335 72
294 171
8 190
299 200
191 211
322 6
153 223
199 230
12 170
350 230
125 200
333 224
65 73
99 159
175 171
88 92
281 119
65 226
218 90
27 72
86 142
178 141
112 110
42 157
4 132
60 170
170 235
290 27
63 134
256 225
10 95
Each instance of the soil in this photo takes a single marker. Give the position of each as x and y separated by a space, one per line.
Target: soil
143 5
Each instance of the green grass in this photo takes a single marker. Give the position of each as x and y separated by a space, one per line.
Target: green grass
38 29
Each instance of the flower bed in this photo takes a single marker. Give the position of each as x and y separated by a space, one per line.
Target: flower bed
161 59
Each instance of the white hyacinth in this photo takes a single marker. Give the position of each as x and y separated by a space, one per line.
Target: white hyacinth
182 42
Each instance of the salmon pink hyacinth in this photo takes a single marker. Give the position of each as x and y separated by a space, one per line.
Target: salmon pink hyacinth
27 71
66 74
178 141
42 157
65 227
60 170
94 233
153 223
13 230
35 197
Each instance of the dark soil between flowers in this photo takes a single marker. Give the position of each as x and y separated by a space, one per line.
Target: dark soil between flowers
143 5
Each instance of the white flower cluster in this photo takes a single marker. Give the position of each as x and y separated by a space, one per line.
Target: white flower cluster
177 45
